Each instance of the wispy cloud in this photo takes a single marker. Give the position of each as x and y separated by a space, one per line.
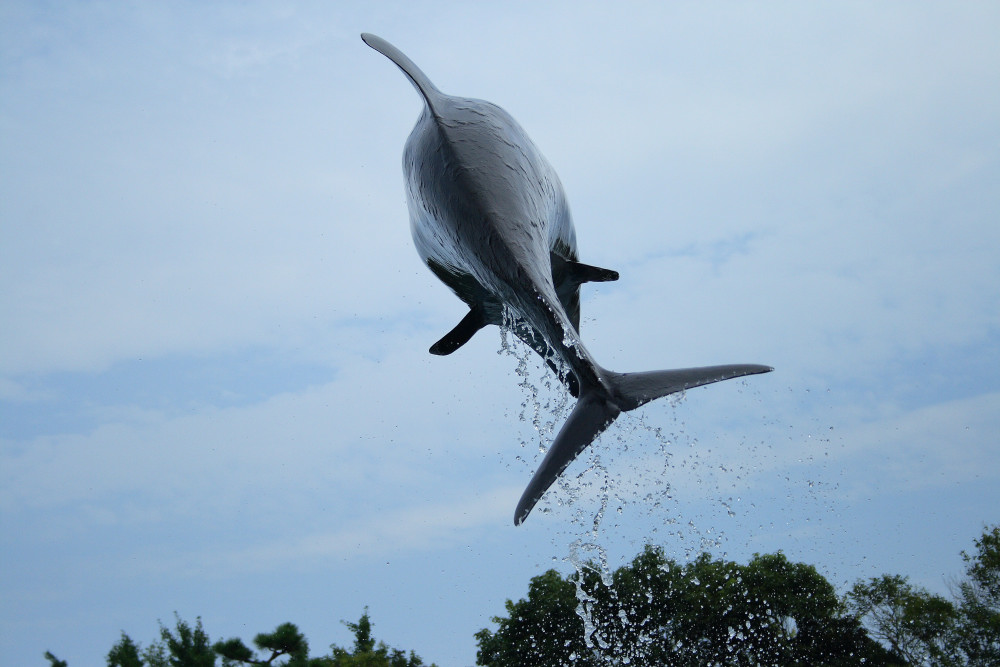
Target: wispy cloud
435 526
215 327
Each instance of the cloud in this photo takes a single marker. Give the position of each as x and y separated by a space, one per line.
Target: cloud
386 423
935 446
15 392
215 325
427 526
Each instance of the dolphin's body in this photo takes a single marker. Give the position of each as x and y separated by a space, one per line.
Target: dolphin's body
489 217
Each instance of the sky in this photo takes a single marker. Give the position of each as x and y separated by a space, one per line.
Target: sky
215 392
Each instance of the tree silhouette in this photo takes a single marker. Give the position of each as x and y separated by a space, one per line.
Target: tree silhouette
655 611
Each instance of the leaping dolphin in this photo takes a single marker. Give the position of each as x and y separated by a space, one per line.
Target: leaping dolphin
489 217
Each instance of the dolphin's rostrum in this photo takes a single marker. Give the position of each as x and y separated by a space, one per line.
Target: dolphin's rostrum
489 217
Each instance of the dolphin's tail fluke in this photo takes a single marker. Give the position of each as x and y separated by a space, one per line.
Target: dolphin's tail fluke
593 413
598 407
634 389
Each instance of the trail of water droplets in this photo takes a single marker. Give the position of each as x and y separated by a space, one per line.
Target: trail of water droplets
623 481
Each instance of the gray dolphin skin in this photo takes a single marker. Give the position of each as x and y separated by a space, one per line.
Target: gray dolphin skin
489 217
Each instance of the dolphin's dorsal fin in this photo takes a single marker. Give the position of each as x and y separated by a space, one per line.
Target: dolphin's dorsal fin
473 321
427 90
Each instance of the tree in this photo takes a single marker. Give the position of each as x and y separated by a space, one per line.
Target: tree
189 647
363 642
915 625
542 630
125 653
657 612
978 631
367 653
925 629
286 640
54 661
155 655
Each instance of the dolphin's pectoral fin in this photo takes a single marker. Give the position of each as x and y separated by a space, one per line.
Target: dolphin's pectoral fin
460 335
585 273
568 270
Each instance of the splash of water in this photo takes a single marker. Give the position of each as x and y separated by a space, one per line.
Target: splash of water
546 403
640 481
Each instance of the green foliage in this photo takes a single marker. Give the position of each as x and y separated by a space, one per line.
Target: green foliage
978 634
54 661
368 653
233 650
657 612
915 625
285 641
542 630
155 655
187 646
920 628
983 567
288 647
125 653
363 642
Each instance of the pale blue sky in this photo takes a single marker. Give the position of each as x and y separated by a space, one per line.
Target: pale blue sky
215 391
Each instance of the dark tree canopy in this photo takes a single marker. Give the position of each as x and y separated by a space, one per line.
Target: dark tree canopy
288 647
189 646
921 628
914 624
978 636
285 641
542 630
54 661
368 653
125 653
657 612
